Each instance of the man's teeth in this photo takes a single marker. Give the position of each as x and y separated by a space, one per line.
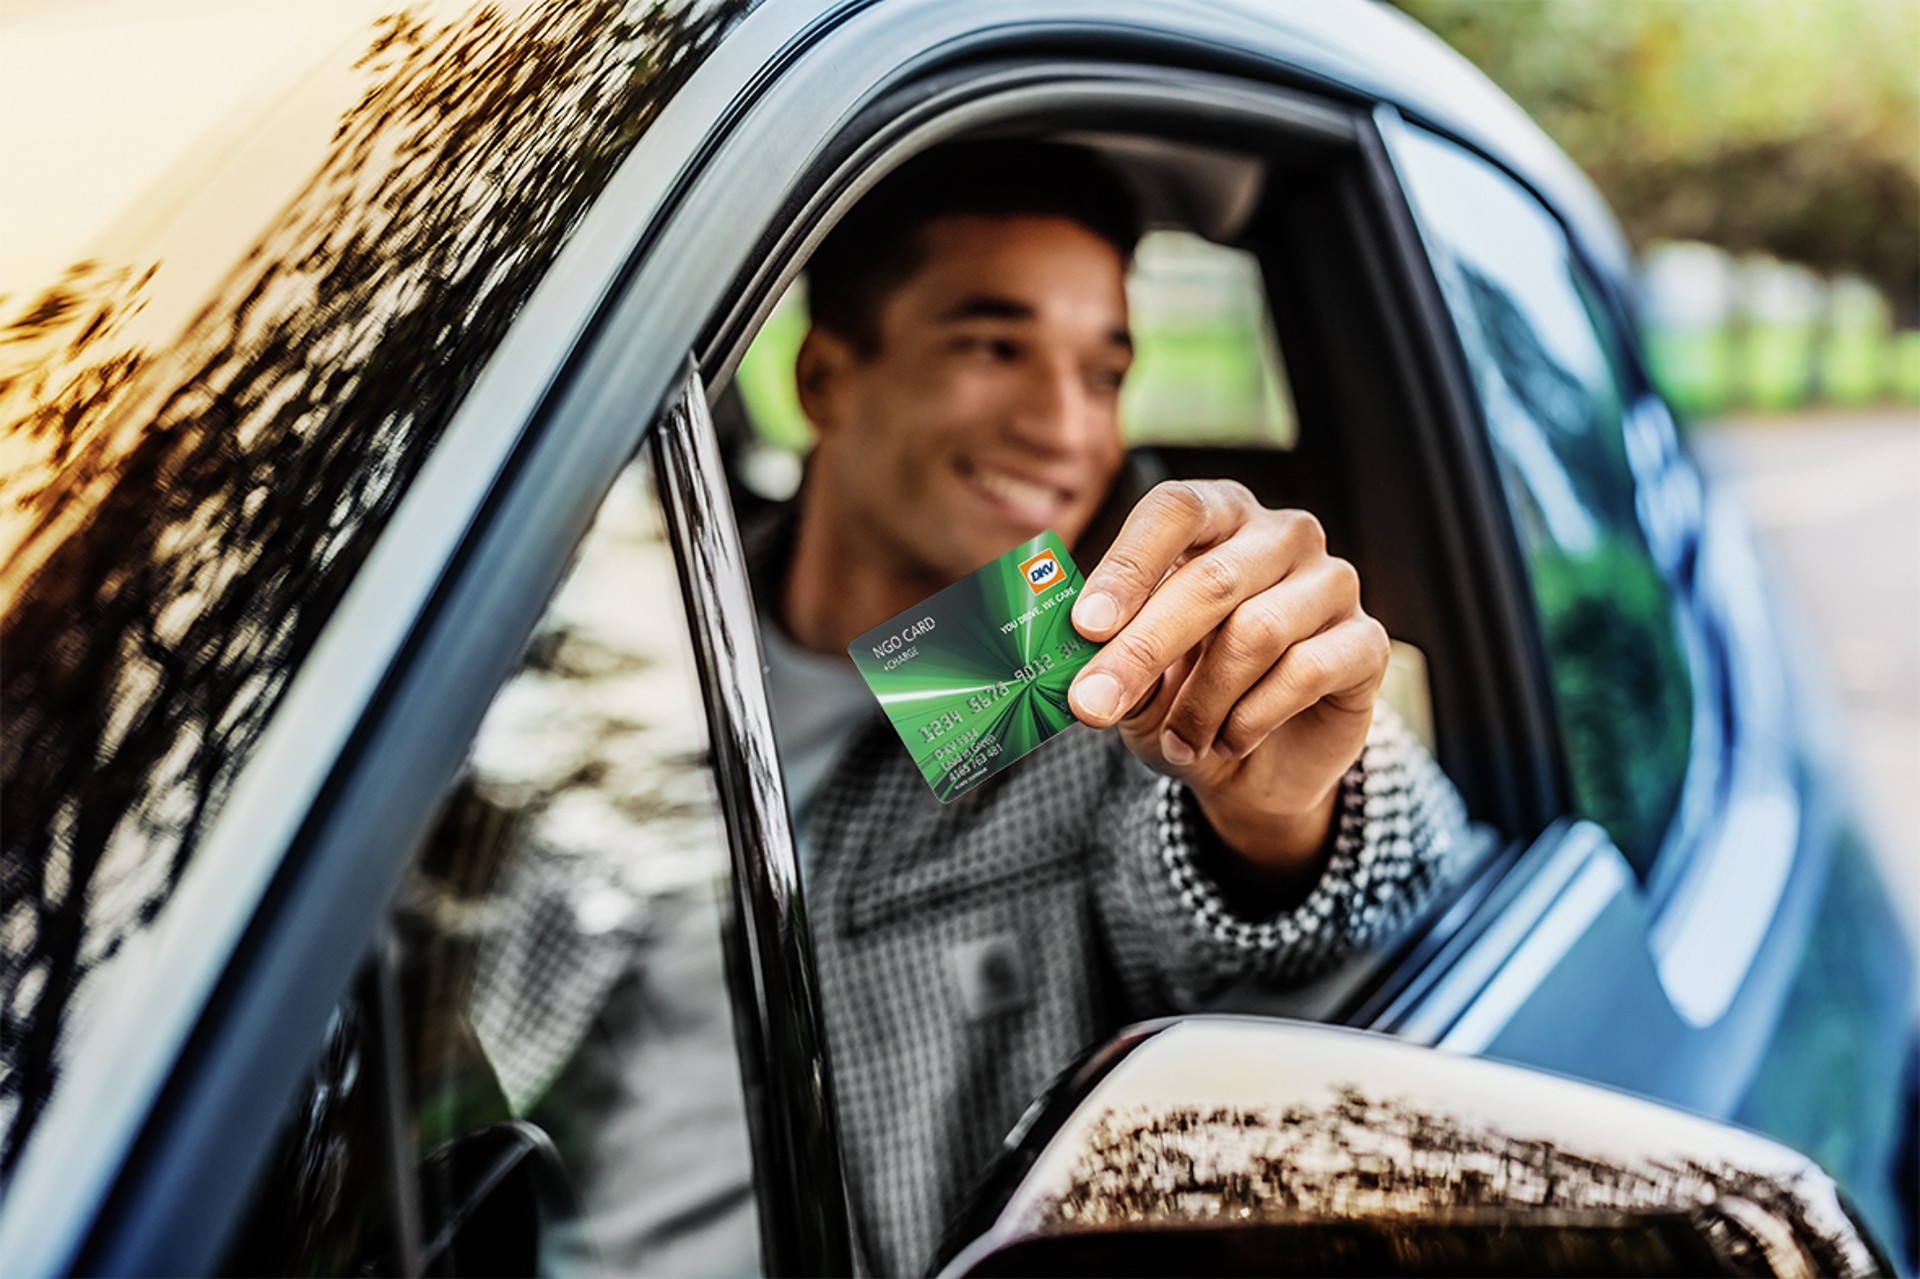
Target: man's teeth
1018 492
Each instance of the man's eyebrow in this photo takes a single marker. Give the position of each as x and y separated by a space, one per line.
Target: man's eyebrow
989 306
986 306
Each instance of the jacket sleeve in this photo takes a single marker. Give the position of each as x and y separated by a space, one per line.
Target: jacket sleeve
1175 936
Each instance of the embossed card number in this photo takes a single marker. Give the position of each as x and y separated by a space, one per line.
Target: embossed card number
975 677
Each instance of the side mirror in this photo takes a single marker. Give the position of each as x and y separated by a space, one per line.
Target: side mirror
1230 1145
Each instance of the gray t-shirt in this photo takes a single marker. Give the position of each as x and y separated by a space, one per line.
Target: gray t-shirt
818 703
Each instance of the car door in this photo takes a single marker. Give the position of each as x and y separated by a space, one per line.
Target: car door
682 250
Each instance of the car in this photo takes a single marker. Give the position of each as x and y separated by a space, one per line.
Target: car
398 870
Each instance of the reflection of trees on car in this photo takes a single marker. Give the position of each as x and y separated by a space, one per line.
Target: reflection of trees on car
187 516
1620 679
1581 416
1621 684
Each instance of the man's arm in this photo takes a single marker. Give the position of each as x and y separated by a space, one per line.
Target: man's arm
1183 924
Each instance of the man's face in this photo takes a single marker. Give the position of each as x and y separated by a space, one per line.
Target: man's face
989 411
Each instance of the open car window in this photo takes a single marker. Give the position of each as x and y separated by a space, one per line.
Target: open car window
1207 373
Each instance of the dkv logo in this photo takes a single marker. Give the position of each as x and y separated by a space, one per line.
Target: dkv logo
1042 571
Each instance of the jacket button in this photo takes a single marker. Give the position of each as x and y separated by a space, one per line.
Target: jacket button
990 974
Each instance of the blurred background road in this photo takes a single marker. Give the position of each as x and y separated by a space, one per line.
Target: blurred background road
1834 499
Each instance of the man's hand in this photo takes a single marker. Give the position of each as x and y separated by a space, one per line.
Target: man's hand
1238 660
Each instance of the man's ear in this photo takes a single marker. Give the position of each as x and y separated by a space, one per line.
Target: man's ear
819 376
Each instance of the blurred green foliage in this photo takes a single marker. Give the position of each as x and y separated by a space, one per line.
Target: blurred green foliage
766 377
1786 127
1783 366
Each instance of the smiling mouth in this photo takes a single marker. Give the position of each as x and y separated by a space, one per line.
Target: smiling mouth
1029 500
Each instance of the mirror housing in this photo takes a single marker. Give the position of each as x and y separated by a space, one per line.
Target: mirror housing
1239 1145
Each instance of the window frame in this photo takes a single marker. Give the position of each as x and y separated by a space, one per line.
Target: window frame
1526 782
1595 321
1503 659
805 1219
1700 949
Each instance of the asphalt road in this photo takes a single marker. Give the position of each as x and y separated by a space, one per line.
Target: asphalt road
1834 500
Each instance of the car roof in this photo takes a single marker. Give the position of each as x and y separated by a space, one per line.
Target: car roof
150 127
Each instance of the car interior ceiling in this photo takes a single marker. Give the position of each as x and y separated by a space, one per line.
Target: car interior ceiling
1287 198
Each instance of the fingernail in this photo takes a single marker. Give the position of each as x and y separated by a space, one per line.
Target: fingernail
1095 611
1096 697
1175 748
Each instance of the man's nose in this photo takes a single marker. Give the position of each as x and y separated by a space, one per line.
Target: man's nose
1056 413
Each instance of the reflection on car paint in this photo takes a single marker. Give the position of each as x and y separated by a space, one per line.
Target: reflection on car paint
1551 395
181 516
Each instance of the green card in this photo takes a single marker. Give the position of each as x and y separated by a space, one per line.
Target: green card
976 676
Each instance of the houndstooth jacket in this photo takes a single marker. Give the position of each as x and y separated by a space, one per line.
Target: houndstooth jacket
969 951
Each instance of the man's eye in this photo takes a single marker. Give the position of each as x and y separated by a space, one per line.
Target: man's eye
989 348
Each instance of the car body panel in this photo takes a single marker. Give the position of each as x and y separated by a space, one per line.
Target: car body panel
182 951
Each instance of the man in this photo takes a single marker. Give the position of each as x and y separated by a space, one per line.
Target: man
1222 816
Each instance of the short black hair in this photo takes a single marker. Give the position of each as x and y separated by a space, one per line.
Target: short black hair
877 247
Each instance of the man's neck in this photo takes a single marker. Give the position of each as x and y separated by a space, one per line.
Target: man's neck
841 585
